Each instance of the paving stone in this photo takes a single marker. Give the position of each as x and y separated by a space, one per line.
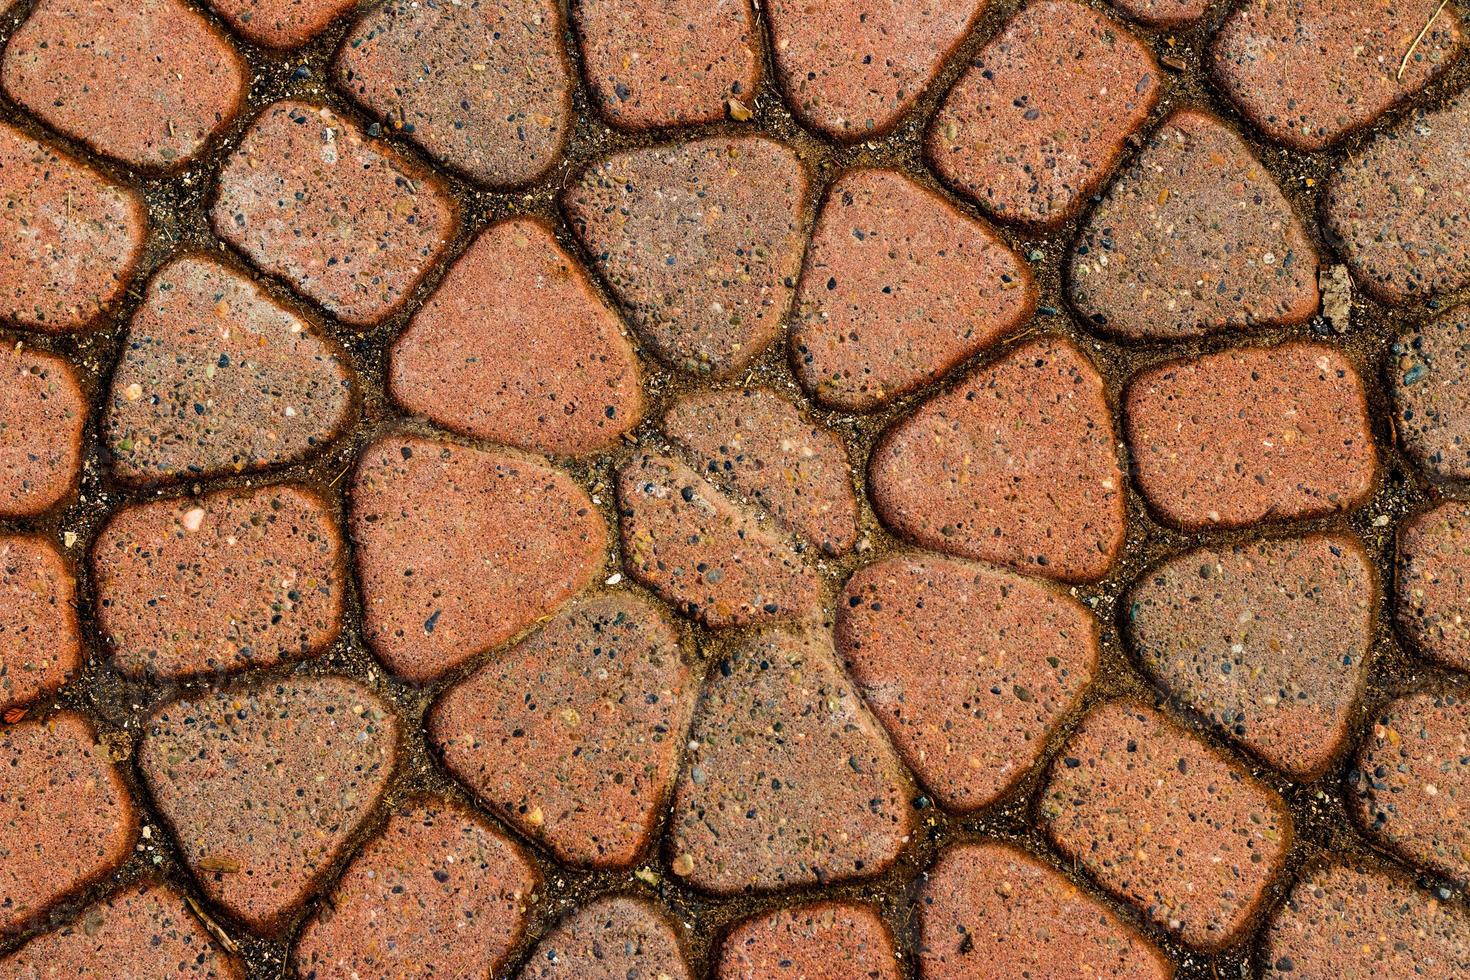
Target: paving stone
231 580
70 238
757 443
1434 583
898 287
971 669
142 930
1431 399
437 893
1268 640
1251 434
611 939
42 416
1015 465
348 221
216 378
708 556
1036 123
831 940
1194 237
1398 212
1308 72
481 85
573 736
515 346
147 82
852 68
40 641
264 786
1412 782
66 819
280 23
701 242
789 780
653 63
1166 823
991 909
1163 13
460 549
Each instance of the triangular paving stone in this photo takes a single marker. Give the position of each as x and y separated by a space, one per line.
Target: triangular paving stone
1194 237
789 781
217 378
614 938
701 243
573 736
515 346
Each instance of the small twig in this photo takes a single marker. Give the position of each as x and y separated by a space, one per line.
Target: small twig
1413 47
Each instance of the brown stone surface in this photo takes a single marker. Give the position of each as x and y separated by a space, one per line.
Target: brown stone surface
789 780
1163 13
1036 123
614 938
992 910
1433 588
1015 465
1427 375
755 442
701 242
436 893
573 736
460 549
827 940
898 287
40 641
348 221
217 378
970 669
482 85
42 416
515 346
1166 823
1250 434
264 786
66 819
1194 237
280 23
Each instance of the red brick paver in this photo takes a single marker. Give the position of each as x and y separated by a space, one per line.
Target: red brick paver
280 23
1427 375
42 416
612 939
1433 593
1163 13
40 641
831 940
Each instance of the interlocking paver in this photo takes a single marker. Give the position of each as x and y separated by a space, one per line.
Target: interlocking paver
1433 593
1431 397
573 736
1251 434
971 669
1163 13
482 85
515 346
898 287
616 938
1036 123
147 82
1015 465
280 23
348 221
40 640
832 940
42 417
1166 823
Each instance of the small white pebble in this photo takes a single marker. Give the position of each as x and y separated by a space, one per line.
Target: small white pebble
193 519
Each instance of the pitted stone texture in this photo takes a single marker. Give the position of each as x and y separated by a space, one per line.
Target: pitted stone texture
830 940
515 346
1163 13
460 549
1433 593
1193 238
1267 640
66 819
437 893
1036 123
652 63
1166 823
264 786
42 417
1431 395
280 23
789 780
1308 72
70 238
1015 465
481 85
40 640
1412 783
853 68
573 736
1251 434
757 443
1398 210
993 910
614 938
898 287
144 81
216 378
347 221
701 242
969 668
